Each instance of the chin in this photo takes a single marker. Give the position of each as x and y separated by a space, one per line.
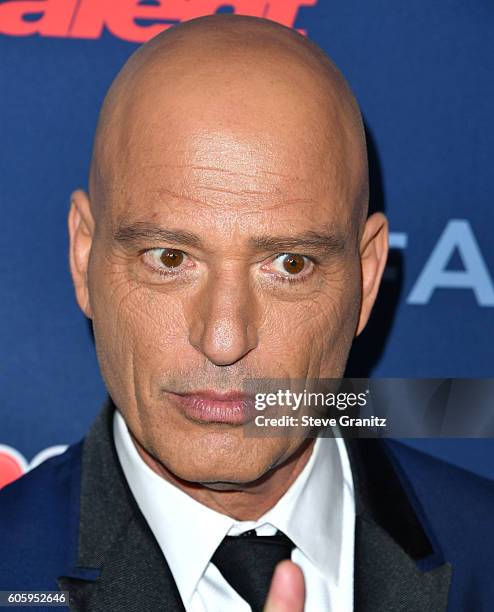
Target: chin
218 477
218 458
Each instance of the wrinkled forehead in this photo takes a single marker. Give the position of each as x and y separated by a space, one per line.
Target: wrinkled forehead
255 132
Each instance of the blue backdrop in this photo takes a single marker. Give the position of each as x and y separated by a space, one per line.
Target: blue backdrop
423 74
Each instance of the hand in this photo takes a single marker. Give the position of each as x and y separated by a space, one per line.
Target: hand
287 590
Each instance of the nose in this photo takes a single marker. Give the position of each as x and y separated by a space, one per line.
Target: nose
223 319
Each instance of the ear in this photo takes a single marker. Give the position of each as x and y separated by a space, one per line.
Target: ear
373 255
81 231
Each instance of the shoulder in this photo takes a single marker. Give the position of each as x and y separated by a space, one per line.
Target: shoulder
46 487
38 513
458 504
443 482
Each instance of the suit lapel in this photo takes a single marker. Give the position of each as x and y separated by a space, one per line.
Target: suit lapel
398 566
388 580
118 566
134 576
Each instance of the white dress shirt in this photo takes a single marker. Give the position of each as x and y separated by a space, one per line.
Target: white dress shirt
317 513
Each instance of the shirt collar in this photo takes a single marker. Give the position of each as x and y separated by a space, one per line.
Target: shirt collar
310 512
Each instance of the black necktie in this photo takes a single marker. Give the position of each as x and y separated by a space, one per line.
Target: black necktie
248 561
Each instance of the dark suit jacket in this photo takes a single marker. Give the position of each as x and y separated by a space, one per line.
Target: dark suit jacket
424 532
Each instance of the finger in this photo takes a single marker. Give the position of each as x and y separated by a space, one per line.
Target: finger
287 590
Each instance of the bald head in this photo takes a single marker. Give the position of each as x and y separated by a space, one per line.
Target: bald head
232 78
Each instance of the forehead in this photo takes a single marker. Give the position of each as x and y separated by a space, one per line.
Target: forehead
235 144
222 182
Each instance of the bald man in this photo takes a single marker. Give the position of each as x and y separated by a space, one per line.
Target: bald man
225 237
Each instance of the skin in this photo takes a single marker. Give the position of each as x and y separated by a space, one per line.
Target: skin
232 129
287 591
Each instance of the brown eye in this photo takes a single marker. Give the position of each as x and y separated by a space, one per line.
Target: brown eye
293 263
171 258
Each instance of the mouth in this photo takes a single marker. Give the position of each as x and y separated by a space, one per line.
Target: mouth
206 406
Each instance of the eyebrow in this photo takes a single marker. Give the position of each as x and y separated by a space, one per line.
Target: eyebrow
326 243
137 232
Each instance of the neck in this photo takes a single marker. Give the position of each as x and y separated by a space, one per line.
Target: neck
245 503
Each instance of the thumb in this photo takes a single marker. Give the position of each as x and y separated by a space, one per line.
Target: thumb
287 590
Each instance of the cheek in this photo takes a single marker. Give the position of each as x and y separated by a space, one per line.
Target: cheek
313 334
149 323
138 333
